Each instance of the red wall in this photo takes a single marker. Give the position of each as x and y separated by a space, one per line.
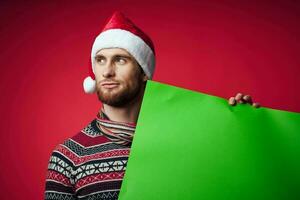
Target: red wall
209 46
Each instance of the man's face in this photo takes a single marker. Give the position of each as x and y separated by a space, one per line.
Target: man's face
118 76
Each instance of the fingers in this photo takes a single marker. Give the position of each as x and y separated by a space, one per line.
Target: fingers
232 101
241 98
248 99
256 105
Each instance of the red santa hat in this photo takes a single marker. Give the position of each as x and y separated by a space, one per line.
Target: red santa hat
120 32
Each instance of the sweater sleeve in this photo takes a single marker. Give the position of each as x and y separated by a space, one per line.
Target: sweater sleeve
60 177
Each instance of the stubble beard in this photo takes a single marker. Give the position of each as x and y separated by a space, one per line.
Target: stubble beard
122 95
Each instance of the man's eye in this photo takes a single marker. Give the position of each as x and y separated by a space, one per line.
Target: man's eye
100 60
121 61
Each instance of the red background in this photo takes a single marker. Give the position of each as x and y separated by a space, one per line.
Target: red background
209 46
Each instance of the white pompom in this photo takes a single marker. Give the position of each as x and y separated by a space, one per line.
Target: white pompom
89 85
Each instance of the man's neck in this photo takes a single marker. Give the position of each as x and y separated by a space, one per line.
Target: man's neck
128 113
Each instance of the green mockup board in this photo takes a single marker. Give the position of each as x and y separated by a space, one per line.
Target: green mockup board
190 145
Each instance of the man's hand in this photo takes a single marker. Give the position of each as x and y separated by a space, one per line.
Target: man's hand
241 98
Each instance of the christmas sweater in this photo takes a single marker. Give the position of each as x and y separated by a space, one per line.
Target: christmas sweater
91 164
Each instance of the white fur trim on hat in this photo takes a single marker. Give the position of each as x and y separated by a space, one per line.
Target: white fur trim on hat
119 38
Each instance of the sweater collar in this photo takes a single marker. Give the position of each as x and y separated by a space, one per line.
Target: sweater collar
118 132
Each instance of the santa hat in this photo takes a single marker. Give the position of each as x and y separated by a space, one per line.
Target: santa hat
120 32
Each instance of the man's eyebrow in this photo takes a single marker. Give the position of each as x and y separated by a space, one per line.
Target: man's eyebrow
122 55
99 56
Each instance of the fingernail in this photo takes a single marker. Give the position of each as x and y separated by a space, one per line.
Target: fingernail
248 99
238 97
232 101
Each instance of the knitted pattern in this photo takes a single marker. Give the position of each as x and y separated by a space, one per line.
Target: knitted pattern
91 164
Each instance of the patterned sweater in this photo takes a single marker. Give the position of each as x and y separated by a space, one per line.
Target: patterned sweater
91 164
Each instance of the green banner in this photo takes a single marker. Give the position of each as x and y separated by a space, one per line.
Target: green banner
190 145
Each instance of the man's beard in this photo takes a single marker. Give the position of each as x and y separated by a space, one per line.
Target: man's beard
120 97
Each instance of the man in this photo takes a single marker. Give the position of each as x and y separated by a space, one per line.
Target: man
91 164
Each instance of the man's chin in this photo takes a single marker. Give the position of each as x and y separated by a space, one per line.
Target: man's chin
109 93
118 96
110 97
113 101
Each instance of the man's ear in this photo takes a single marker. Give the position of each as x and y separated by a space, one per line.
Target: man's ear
145 77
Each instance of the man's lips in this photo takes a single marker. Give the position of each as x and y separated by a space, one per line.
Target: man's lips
109 84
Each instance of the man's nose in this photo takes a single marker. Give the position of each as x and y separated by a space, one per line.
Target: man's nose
109 70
